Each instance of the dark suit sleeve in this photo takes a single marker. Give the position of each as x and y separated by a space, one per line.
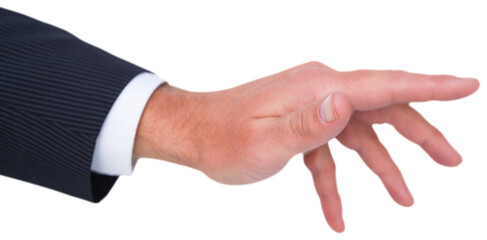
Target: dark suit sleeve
55 92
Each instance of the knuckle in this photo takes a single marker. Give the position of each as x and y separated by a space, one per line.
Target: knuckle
380 169
311 72
329 171
381 173
317 65
387 82
435 134
300 124
314 64
394 74
392 79
311 77
430 141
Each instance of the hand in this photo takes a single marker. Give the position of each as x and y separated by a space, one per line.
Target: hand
248 133
360 136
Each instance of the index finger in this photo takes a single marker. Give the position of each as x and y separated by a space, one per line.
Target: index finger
370 89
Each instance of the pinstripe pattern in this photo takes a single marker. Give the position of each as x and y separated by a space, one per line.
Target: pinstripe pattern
55 92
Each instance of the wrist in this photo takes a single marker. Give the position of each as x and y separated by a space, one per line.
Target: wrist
166 128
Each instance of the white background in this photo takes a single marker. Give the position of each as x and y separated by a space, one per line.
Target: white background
212 45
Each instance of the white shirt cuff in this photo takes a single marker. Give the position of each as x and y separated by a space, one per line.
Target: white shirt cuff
115 142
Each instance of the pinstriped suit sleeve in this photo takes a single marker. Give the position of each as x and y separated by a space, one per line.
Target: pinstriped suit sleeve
55 92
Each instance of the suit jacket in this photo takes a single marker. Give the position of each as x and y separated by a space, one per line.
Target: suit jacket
55 92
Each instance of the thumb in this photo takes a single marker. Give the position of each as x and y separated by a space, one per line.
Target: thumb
312 125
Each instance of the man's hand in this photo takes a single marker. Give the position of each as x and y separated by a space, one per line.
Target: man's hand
249 133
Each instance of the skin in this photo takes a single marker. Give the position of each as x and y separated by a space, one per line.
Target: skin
249 133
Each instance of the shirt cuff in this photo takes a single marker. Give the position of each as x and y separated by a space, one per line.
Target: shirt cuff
115 142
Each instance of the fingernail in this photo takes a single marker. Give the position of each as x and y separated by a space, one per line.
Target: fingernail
327 110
